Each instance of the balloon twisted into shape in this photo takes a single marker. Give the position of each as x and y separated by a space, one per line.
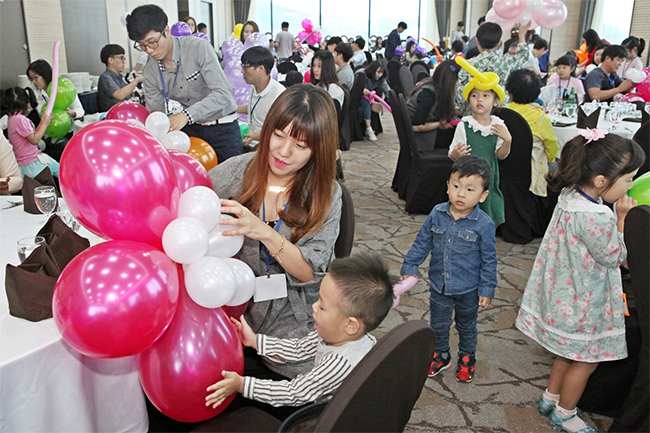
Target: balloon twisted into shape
55 78
481 80
372 96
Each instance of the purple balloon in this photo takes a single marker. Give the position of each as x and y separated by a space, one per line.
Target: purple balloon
202 36
230 47
181 29
256 39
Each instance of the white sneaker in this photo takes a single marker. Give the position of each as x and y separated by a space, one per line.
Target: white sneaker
371 134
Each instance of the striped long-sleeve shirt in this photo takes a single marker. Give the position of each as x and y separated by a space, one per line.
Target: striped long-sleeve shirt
331 365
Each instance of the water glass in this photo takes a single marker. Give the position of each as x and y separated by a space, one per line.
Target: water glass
45 198
26 246
570 109
68 219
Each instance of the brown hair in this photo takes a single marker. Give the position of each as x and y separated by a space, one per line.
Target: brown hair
311 115
255 29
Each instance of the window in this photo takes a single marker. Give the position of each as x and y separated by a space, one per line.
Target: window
612 19
290 11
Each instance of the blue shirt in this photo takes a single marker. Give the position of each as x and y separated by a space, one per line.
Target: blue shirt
463 252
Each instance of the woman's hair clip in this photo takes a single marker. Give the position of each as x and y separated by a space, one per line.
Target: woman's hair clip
452 67
593 135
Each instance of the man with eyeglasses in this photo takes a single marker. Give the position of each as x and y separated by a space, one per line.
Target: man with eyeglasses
186 70
111 87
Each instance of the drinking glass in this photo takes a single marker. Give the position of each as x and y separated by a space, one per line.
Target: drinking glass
570 109
45 198
26 246
614 115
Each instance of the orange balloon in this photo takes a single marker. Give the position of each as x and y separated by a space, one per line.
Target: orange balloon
203 152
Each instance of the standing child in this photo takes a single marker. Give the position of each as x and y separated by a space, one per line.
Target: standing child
564 78
355 296
463 266
22 134
573 303
484 135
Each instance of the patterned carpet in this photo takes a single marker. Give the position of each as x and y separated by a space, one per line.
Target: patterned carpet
511 370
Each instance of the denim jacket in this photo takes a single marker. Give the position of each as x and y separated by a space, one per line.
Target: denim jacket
463 252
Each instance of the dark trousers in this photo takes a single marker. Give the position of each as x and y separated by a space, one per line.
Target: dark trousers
224 138
466 308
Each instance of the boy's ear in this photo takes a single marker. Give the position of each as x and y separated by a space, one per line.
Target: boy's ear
352 325
483 196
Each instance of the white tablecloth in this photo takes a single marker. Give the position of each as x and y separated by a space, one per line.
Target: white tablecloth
566 133
47 386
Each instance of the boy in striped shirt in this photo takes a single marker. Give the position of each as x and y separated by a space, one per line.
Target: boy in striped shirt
355 297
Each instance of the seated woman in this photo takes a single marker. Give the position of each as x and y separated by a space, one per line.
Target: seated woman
409 55
39 73
287 205
523 86
111 87
323 74
375 81
431 105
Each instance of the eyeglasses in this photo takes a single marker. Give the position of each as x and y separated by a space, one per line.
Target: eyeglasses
243 67
34 78
122 58
151 45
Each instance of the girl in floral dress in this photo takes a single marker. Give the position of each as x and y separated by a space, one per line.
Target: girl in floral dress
573 303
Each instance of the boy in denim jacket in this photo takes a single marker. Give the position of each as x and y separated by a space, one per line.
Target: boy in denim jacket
463 266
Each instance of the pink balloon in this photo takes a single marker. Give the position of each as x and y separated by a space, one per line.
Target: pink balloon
175 372
126 110
644 89
307 76
307 25
189 171
509 9
115 299
119 182
552 14
235 311
506 25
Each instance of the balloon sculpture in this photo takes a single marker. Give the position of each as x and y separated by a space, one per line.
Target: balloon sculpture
401 48
311 33
372 96
181 28
480 80
130 295
61 94
548 14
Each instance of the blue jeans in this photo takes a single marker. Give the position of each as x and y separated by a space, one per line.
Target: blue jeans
364 109
466 306
225 138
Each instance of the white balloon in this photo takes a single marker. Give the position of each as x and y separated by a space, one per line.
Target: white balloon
185 240
224 246
635 75
210 282
123 18
202 203
176 140
244 281
136 122
158 124
315 29
525 17
534 5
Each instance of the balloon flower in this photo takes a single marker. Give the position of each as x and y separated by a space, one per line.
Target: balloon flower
311 33
548 14
372 96
481 80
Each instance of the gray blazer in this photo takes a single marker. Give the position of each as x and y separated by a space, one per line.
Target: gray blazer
290 317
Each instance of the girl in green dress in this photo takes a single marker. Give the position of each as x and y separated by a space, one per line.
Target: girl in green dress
486 136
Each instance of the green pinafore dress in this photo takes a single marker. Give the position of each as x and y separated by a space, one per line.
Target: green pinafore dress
485 147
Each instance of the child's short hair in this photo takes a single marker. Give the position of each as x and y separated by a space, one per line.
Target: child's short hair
613 52
489 35
470 165
258 56
567 60
524 86
611 156
541 44
366 287
334 40
361 43
293 77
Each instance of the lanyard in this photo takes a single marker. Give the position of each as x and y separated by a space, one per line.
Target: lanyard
627 67
567 85
162 81
277 229
584 194
255 105
613 83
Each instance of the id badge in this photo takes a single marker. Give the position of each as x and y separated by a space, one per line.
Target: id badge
267 288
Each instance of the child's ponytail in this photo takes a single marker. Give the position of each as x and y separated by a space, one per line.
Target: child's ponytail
31 97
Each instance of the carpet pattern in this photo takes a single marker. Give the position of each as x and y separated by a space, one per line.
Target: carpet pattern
511 370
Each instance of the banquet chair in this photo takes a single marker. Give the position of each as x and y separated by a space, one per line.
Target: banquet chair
406 79
344 122
345 240
428 173
417 68
527 214
642 137
392 68
286 67
356 93
379 394
368 58
401 176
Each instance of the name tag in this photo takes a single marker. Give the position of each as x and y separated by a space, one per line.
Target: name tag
272 287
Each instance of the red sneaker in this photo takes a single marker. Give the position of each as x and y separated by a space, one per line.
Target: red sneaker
465 367
439 363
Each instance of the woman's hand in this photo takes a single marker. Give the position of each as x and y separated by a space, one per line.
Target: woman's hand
249 224
70 112
246 335
366 92
461 149
444 125
231 384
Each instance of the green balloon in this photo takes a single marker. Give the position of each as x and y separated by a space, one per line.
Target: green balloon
60 124
244 129
641 189
65 93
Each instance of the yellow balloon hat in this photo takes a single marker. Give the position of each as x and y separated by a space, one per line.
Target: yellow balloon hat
481 80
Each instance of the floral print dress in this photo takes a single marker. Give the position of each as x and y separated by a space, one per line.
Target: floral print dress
573 303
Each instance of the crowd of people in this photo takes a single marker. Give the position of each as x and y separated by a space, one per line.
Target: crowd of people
278 186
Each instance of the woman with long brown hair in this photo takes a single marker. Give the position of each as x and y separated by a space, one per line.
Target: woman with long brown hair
286 203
